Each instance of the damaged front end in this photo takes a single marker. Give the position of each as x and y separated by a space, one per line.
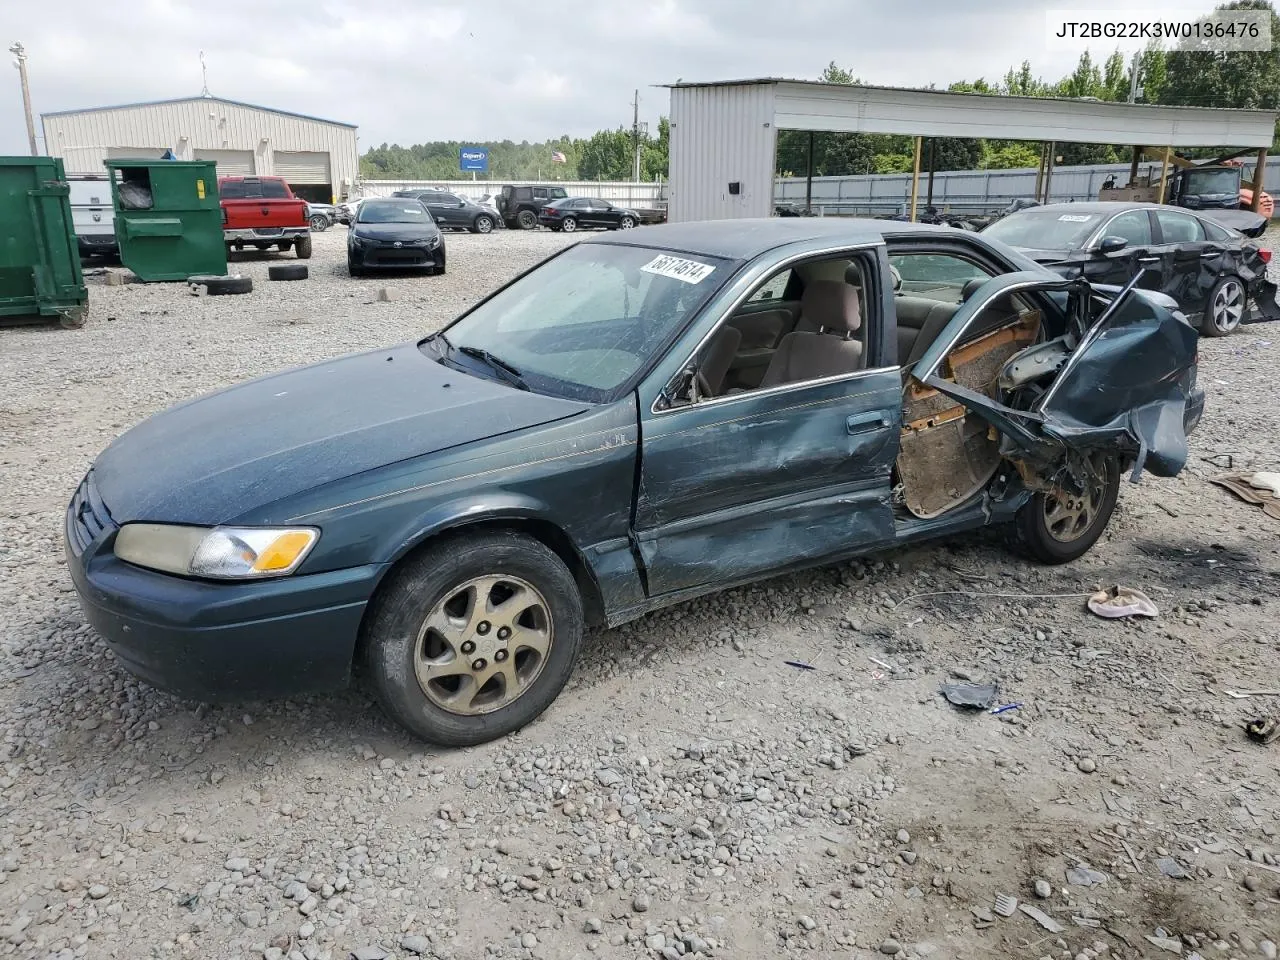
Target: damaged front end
1007 381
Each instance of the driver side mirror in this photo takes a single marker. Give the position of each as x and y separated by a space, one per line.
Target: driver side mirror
683 389
1112 244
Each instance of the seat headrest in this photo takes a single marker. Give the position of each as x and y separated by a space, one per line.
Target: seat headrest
971 288
897 278
832 305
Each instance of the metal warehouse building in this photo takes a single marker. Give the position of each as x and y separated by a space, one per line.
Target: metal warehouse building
317 157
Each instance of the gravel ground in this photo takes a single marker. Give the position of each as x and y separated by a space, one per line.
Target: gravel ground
689 794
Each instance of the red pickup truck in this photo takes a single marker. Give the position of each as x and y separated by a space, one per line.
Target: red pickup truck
262 212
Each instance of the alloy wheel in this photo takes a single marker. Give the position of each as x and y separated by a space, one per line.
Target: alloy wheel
1069 515
484 225
483 644
1227 309
570 224
627 223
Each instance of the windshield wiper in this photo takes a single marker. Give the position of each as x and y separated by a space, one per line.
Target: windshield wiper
505 370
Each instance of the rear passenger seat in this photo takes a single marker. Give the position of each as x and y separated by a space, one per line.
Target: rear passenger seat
920 320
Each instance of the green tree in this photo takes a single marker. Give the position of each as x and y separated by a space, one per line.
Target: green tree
607 156
1239 79
1009 155
1115 78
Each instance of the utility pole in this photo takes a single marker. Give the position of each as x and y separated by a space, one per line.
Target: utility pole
21 63
635 135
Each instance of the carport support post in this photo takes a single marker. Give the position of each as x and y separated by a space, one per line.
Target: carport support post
808 178
1164 174
1133 166
1040 173
1259 175
928 198
1048 169
915 181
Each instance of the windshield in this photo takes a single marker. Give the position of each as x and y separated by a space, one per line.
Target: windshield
1204 182
399 211
1044 229
584 323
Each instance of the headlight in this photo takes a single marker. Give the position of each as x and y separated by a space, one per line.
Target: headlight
220 553
433 242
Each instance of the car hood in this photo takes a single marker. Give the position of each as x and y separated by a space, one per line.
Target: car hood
395 231
217 457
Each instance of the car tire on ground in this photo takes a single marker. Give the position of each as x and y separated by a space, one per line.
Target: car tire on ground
284 245
288 271
473 638
353 270
1224 308
319 223
526 219
626 223
1060 527
224 286
569 224
302 247
483 224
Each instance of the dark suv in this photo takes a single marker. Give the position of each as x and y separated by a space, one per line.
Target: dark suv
450 210
520 206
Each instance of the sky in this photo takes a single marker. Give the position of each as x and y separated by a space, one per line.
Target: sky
409 71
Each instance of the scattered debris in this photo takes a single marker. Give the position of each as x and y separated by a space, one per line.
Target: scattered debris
800 664
1264 731
1042 918
1044 889
386 295
1085 876
1171 944
1005 905
1122 602
1259 489
1007 706
1223 461
1244 694
1173 869
974 696
1085 921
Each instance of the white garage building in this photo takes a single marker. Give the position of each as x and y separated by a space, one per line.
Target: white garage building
318 158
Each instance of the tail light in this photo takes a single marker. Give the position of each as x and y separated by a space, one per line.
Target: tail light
1265 254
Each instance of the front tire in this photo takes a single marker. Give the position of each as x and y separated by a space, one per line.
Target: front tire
626 223
483 224
319 223
526 219
1062 526
1224 308
473 638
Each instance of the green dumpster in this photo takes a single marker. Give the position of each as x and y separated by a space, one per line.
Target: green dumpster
168 221
40 276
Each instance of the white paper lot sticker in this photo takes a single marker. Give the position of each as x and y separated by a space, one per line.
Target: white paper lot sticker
690 271
1075 218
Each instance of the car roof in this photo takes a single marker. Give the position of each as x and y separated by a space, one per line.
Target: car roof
1093 206
747 238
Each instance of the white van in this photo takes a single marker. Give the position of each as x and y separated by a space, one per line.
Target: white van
92 214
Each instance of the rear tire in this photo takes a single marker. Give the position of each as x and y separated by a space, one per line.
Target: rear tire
319 223
526 219
302 247
433 638
1059 527
569 225
1224 308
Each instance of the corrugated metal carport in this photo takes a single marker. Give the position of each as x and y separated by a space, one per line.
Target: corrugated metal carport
724 134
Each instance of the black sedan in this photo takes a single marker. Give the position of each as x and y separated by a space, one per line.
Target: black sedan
573 212
1216 274
635 422
451 211
395 233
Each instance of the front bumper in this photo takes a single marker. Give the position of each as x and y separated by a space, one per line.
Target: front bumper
97 244
273 234
388 257
217 642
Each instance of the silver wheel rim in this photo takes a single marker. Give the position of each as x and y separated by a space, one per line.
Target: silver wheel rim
1228 306
1068 515
483 645
627 223
570 225
484 225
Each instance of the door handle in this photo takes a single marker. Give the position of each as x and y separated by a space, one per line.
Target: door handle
1210 254
866 422
1148 259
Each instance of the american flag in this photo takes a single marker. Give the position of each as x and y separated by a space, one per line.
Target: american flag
558 157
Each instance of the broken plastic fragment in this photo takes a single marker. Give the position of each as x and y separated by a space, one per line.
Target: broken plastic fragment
976 696
1122 602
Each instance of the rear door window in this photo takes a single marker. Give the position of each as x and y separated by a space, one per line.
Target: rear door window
232 190
539 193
1179 227
274 190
